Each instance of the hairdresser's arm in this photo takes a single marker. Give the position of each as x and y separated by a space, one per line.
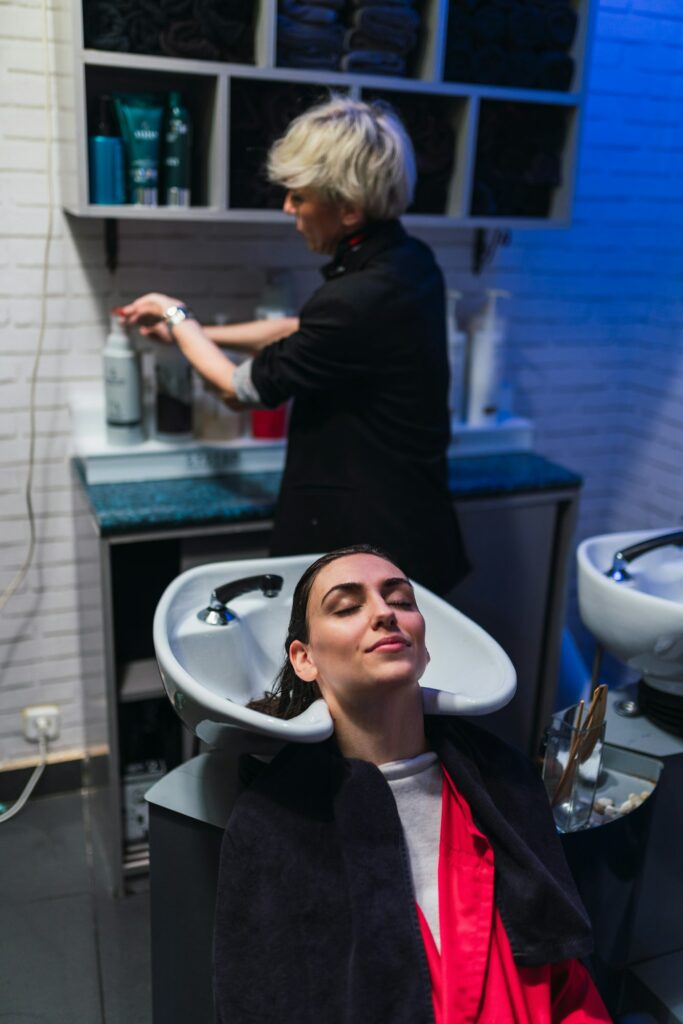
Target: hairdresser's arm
251 337
147 314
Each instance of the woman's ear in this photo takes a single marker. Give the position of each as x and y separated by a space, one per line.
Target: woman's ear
302 663
352 216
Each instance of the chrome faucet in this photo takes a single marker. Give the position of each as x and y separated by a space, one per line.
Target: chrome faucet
218 613
619 571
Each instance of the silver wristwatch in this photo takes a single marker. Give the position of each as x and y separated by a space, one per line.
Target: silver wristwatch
175 315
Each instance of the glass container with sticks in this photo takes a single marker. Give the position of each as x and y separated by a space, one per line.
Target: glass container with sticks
573 758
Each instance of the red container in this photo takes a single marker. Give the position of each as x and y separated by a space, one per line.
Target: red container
269 422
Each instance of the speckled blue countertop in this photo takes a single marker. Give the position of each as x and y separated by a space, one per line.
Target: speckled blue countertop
205 501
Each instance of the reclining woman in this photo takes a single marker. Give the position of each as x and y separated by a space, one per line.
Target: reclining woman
405 871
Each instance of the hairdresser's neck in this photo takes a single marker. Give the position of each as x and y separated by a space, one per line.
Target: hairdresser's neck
382 730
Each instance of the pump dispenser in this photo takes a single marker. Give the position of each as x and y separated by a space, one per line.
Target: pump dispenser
122 386
486 333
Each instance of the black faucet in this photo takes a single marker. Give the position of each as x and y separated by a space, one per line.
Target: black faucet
620 574
218 613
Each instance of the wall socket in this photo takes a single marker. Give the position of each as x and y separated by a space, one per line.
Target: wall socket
41 718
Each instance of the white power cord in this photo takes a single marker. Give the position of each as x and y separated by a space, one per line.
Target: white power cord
20 575
35 775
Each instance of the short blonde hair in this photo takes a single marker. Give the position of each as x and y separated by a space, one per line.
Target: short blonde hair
346 150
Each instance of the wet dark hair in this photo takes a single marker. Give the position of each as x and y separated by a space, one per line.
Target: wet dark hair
290 695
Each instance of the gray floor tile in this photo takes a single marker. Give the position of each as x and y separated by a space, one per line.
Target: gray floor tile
48 962
42 850
123 935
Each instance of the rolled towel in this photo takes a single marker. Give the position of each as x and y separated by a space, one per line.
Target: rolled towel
382 3
374 62
104 26
394 25
232 35
185 39
321 60
526 27
522 69
176 10
295 35
355 40
489 65
555 72
560 27
489 24
143 32
460 28
458 64
312 13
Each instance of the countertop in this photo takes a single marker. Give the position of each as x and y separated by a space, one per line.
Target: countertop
205 501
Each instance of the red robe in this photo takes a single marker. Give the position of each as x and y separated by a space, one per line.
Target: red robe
475 979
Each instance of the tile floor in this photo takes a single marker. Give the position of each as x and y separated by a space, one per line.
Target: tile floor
69 953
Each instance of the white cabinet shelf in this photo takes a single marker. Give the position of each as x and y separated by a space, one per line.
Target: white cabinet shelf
482 187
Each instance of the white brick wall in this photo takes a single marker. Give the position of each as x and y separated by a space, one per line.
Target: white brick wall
595 326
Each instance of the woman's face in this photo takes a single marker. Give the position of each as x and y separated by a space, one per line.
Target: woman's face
323 224
366 634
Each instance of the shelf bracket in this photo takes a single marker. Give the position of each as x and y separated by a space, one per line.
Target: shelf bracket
111 243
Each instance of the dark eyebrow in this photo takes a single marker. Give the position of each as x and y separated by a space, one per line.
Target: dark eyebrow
357 588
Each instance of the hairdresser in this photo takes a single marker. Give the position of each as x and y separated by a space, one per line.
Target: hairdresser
365 361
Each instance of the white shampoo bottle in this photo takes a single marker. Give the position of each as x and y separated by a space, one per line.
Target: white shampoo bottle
486 334
122 386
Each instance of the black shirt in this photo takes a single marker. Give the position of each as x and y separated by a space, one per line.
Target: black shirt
368 371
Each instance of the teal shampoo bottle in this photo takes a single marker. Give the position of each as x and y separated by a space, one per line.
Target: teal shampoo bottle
177 153
140 118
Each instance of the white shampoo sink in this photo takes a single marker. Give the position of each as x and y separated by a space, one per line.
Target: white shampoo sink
639 619
211 672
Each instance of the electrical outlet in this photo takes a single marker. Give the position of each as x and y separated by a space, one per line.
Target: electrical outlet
41 719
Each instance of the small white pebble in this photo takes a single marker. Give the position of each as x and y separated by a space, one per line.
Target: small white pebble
611 812
645 794
633 796
602 803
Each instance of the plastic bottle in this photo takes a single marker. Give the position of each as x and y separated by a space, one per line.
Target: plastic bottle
486 335
177 152
275 301
173 405
105 160
457 353
122 386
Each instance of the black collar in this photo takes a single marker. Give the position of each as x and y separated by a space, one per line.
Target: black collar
354 251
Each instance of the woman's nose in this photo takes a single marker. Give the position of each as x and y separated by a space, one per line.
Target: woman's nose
384 614
288 206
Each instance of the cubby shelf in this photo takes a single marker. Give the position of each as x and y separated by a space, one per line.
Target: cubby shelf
487 185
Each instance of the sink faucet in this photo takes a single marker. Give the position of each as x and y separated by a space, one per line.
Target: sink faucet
619 571
218 613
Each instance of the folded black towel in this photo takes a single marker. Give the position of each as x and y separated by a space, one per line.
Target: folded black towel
185 39
382 3
489 65
176 10
104 26
296 35
310 13
560 27
522 69
458 64
224 25
143 31
355 40
395 27
555 72
489 24
322 60
526 27
374 62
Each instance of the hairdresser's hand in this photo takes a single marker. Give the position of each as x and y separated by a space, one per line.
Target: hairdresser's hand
147 314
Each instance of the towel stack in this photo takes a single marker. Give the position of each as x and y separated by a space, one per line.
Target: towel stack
310 34
381 37
519 159
197 29
516 43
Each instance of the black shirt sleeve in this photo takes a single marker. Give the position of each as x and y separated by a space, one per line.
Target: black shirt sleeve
330 349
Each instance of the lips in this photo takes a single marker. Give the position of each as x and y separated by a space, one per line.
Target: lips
395 642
